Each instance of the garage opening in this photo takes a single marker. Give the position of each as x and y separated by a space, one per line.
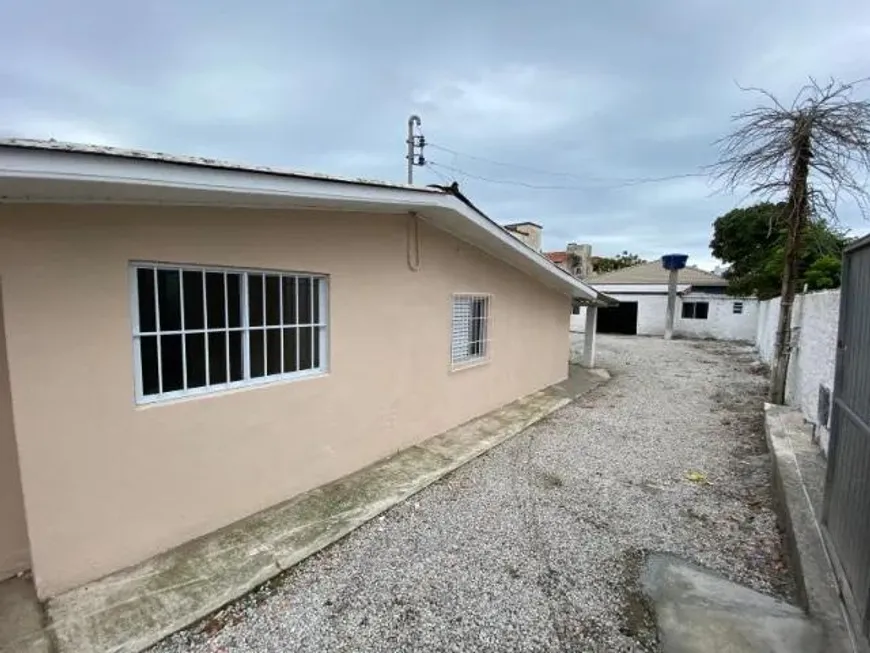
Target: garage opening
618 319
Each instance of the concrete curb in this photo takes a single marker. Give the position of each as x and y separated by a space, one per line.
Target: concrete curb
133 609
798 484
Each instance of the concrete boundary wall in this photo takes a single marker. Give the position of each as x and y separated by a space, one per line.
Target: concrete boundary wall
814 334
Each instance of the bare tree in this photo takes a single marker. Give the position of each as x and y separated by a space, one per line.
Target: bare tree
811 152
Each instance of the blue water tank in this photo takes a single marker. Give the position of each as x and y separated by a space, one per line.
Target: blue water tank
674 261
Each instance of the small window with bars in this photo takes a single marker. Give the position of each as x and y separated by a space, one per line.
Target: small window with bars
198 330
737 308
469 341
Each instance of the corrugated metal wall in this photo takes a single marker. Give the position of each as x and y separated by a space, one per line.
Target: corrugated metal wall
847 496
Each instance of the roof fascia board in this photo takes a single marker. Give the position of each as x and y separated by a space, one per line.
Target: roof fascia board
147 174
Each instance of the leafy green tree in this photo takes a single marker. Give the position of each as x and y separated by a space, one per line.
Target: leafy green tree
604 264
752 241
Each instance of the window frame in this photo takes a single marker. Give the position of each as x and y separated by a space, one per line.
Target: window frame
322 327
694 311
486 355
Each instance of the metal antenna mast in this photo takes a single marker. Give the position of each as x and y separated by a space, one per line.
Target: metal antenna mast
415 142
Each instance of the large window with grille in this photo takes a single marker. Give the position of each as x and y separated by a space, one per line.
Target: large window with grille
198 330
470 332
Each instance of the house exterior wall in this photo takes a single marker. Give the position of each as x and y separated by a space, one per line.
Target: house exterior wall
14 554
722 322
108 483
815 319
650 313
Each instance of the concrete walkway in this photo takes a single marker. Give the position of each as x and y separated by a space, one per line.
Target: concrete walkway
698 611
130 610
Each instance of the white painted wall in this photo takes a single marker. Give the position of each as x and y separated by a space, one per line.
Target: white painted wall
814 322
650 313
721 322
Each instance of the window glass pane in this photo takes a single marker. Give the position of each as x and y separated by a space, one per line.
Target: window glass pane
214 291
273 351
289 289
273 300
256 353
461 328
687 310
171 362
217 357
236 372
701 310
306 349
195 352
145 288
234 297
193 300
148 358
255 299
290 336
315 300
304 300
169 298
316 356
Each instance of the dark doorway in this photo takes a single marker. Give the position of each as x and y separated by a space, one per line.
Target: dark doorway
618 319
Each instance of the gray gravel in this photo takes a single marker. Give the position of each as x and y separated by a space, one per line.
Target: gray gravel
536 546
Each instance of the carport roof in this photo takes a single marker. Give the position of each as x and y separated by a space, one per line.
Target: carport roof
654 273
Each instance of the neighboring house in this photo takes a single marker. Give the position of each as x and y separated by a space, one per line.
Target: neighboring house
527 232
576 259
186 342
703 310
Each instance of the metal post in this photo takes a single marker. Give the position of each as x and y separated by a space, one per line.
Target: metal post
413 121
589 336
672 304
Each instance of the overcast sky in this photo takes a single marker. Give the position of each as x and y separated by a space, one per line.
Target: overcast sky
600 92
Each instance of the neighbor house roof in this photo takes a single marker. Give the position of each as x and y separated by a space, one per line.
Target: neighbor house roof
557 257
53 171
654 273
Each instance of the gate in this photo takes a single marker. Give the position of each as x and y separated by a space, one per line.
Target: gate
846 513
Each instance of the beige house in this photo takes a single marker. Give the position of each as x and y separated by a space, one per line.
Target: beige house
186 342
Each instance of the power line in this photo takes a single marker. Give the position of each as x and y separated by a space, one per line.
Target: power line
441 176
604 183
513 182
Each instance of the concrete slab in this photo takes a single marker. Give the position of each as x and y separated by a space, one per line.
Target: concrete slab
798 479
698 611
21 618
130 610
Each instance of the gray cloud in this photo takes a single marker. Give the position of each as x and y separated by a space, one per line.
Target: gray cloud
599 92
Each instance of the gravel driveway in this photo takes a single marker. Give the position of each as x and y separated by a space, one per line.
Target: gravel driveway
536 546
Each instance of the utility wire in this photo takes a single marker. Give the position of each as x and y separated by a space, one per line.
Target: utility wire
513 182
434 170
604 183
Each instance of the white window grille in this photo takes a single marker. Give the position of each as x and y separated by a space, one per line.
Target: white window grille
737 308
469 342
198 330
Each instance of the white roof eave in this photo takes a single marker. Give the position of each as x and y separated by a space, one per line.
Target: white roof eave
34 174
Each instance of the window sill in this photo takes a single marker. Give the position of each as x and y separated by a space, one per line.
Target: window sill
226 389
466 365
